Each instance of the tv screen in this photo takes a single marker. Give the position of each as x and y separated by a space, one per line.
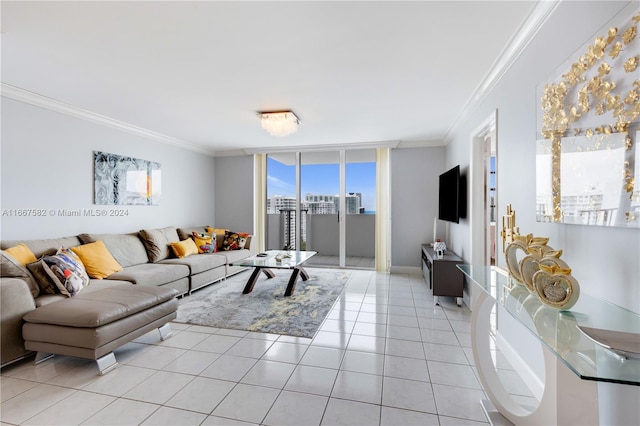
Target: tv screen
449 195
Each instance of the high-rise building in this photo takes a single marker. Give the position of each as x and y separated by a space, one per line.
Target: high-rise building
312 204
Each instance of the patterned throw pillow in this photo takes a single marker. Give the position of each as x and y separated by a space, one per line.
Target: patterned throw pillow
206 243
234 240
67 271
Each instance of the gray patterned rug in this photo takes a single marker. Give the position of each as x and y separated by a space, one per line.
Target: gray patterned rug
266 309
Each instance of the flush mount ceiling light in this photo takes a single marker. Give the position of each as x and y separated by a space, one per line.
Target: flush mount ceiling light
279 123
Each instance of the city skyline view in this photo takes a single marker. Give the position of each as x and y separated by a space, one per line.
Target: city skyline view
323 179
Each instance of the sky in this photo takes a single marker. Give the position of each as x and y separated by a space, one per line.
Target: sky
323 179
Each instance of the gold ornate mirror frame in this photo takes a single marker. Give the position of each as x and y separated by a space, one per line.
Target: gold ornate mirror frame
587 162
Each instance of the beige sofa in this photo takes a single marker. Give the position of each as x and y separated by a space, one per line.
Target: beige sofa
147 261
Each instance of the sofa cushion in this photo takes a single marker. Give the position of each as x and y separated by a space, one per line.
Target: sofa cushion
199 263
127 249
157 242
100 307
234 255
151 274
184 248
11 268
97 260
44 246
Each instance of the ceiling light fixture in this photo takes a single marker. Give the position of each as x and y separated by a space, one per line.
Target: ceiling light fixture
279 123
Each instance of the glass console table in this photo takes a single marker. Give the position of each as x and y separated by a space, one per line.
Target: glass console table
577 370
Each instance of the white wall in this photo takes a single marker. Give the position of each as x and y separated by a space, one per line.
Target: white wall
47 163
414 201
414 198
234 193
612 273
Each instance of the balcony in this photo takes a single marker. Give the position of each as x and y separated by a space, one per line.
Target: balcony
321 233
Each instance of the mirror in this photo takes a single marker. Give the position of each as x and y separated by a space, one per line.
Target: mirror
587 159
592 180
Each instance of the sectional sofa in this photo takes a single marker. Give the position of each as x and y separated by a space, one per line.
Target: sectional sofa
114 308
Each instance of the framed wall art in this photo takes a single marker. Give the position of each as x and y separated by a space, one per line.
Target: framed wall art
121 180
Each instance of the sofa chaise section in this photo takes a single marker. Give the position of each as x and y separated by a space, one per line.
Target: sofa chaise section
98 320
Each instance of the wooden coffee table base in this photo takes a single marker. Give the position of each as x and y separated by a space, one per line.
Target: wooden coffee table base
295 272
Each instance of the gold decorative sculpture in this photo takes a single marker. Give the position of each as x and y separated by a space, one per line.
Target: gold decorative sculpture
556 287
537 267
509 228
530 264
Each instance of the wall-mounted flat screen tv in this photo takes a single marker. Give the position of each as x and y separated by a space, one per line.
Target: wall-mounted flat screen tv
450 193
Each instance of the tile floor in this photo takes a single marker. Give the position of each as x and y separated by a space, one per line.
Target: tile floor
385 355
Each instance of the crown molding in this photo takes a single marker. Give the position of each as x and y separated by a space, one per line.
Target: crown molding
41 101
421 144
518 43
327 147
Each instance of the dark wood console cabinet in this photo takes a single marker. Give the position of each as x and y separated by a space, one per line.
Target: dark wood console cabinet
441 274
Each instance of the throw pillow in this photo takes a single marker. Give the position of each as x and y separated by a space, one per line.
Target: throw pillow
234 240
218 231
184 248
21 253
66 271
97 260
206 243
11 267
45 283
157 242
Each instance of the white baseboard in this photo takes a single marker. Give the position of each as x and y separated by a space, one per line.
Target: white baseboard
413 270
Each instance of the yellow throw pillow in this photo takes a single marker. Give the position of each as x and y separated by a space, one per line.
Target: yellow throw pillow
97 260
21 253
218 231
184 248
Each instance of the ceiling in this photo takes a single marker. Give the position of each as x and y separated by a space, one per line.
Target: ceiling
196 73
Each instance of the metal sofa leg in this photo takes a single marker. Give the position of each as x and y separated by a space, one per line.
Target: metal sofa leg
106 363
165 331
42 357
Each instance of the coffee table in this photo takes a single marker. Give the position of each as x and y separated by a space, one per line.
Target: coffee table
290 260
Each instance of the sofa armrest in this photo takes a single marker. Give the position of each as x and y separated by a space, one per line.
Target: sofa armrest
16 301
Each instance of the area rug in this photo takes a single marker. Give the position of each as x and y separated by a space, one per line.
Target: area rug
266 309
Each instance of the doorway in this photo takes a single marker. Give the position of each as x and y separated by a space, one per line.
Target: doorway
484 198
323 201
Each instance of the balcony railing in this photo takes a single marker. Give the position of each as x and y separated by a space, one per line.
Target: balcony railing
321 233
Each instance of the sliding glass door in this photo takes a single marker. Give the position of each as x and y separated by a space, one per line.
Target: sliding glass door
325 202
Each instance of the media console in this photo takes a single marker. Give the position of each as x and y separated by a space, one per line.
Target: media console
442 274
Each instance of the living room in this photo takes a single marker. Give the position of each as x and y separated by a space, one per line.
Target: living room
48 144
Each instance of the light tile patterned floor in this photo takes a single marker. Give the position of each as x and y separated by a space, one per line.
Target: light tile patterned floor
385 355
